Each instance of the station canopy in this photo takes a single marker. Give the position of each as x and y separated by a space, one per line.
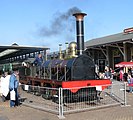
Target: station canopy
15 50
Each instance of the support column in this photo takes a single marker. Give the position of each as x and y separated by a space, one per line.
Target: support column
107 55
125 51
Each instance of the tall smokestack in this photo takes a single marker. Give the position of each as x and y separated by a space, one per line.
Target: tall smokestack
80 32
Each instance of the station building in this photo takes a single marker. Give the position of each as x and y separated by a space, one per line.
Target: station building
111 49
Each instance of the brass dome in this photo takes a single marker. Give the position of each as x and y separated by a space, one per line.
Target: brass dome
72 49
73 45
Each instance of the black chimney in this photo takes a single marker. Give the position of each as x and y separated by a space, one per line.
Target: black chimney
80 32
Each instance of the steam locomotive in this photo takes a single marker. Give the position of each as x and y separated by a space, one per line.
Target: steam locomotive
74 71
73 75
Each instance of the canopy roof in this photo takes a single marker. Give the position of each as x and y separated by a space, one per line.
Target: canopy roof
16 50
124 64
111 39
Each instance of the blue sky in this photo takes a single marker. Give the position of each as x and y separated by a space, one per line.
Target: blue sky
30 22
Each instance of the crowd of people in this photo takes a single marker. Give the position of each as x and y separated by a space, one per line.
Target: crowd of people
123 76
9 87
9 82
107 74
127 77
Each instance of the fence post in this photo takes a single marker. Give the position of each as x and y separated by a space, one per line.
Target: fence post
125 97
61 116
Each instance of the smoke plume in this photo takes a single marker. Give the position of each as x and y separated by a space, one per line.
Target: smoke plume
62 22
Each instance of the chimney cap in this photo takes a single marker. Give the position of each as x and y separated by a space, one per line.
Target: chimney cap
79 15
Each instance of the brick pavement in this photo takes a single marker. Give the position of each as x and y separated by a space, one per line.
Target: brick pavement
27 113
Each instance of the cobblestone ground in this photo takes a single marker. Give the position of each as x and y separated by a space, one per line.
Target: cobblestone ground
26 113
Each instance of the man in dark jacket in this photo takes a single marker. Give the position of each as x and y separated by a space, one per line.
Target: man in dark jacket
38 60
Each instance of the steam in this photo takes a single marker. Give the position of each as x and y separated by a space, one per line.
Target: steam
61 23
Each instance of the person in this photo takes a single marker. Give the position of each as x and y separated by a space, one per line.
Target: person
125 76
13 86
107 73
121 74
2 79
5 86
101 75
112 73
131 71
130 83
38 60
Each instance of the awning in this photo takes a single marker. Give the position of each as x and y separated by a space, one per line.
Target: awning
124 64
7 52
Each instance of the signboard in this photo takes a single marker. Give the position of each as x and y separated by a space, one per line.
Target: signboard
128 30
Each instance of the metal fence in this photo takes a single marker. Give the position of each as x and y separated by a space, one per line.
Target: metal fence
61 101
39 97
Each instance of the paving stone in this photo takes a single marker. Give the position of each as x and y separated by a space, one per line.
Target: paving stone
109 113
3 118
